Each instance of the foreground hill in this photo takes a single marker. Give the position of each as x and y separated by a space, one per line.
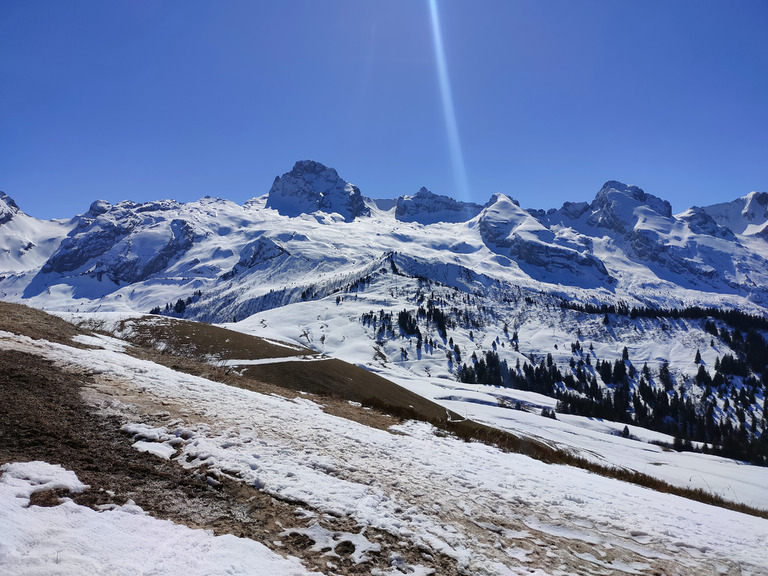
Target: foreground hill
105 441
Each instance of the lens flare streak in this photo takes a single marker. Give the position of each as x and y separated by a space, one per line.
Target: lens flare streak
454 142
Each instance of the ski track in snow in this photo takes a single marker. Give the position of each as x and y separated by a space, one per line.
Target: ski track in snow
236 363
495 513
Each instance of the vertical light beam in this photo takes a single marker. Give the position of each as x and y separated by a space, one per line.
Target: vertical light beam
454 143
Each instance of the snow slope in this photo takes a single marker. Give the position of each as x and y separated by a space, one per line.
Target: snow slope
26 243
747 215
333 328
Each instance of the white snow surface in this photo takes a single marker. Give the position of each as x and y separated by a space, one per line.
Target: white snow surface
493 512
69 539
598 440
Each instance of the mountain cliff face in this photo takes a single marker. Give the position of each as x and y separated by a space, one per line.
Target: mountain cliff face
8 208
125 243
692 249
427 208
311 187
544 253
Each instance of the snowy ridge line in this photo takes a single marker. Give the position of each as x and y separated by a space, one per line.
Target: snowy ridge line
452 275
706 255
448 274
232 305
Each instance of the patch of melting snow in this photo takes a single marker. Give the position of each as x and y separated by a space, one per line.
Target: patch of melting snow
163 450
101 341
70 540
280 360
153 440
283 344
26 478
336 544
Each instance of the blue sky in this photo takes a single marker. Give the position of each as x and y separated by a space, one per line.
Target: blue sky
145 100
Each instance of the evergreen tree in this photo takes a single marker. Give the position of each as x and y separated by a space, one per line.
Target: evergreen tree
665 377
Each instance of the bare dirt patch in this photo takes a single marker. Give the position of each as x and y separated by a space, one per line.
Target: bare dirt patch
197 339
337 378
36 324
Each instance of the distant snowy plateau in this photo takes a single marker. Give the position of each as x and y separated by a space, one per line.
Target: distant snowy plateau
612 330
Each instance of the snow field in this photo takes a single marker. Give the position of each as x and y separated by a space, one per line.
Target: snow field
599 440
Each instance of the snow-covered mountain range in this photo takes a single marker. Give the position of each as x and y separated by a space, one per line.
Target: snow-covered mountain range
425 288
313 228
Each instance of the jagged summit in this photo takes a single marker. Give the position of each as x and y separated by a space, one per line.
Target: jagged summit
618 207
747 215
8 208
612 191
756 205
7 200
98 208
700 222
313 187
426 207
541 253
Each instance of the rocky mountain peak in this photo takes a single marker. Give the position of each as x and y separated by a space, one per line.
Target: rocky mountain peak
617 206
313 187
747 215
313 167
756 206
701 222
609 191
98 208
8 208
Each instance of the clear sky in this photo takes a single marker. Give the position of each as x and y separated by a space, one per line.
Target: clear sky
542 100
